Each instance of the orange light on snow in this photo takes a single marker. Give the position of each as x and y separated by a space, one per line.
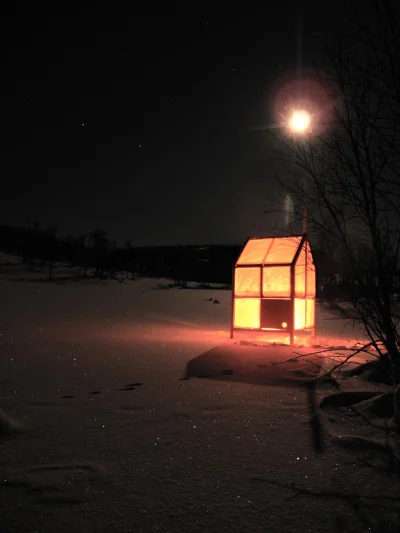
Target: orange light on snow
274 286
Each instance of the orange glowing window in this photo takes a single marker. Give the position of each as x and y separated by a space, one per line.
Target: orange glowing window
299 313
311 283
282 250
254 251
304 313
310 312
300 274
246 313
276 281
247 281
310 278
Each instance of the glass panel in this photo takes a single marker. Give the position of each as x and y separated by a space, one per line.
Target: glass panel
299 313
304 313
276 282
246 313
247 281
310 313
310 278
282 250
254 251
311 282
300 274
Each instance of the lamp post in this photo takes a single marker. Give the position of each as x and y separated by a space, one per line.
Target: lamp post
299 124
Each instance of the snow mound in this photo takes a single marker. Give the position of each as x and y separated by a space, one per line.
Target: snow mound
362 422
7 426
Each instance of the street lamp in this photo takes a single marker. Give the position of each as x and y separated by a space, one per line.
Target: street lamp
299 123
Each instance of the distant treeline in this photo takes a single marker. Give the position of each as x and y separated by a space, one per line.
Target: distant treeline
38 247
98 254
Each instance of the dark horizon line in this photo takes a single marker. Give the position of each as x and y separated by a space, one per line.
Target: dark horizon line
27 227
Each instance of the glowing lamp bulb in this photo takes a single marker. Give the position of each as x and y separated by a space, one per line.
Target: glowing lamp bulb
284 324
300 121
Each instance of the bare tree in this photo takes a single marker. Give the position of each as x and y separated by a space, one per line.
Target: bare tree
50 249
128 258
345 175
99 244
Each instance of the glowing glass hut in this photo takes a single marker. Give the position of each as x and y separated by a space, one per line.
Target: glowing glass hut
274 286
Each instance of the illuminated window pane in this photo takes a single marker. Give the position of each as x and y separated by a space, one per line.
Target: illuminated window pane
282 250
254 251
276 282
300 274
246 313
304 313
247 281
310 278
299 313
311 282
310 313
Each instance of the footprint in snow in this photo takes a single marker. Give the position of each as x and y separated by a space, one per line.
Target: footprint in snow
55 484
129 386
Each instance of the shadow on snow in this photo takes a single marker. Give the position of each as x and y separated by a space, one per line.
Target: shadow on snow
266 365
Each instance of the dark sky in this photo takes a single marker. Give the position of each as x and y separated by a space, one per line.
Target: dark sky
139 122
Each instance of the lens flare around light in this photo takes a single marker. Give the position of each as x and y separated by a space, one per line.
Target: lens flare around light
303 105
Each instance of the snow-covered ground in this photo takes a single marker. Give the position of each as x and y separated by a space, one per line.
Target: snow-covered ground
136 412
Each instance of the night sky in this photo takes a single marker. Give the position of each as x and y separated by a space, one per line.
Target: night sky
139 122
